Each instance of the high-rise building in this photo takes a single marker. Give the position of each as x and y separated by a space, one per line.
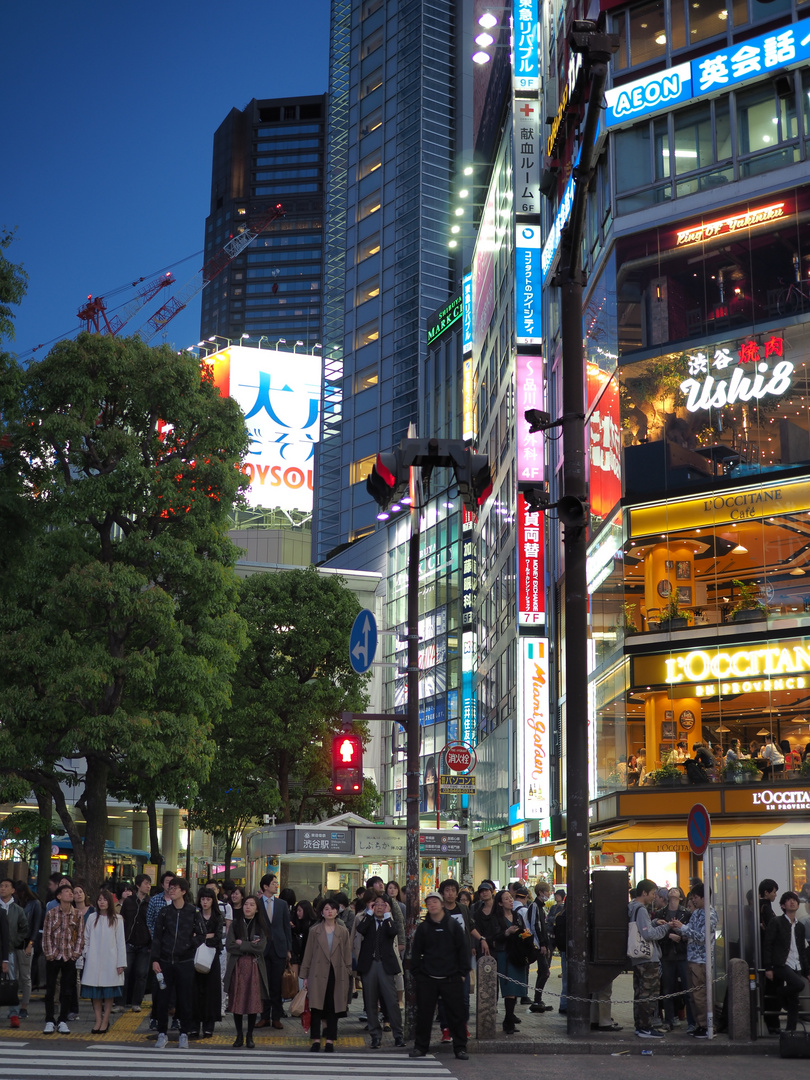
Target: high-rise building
271 151
399 125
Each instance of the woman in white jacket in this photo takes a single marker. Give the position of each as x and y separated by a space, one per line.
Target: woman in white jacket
105 959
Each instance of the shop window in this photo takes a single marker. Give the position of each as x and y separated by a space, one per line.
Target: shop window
707 19
370 205
361 469
368 247
648 36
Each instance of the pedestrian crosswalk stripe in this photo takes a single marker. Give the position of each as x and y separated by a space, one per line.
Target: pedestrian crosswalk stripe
144 1062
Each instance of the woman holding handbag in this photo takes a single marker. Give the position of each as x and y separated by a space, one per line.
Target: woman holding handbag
511 941
246 972
326 970
104 959
207 993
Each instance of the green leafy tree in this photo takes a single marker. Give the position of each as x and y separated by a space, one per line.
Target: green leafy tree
294 681
13 280
20 832
118 625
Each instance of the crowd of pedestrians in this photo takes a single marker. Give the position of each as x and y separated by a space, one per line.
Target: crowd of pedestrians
228 950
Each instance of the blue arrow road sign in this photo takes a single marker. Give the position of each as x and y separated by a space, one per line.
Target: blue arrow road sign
363 642
698 828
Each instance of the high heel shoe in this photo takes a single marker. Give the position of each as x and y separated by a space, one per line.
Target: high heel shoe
238 1041
103 1031
315 1046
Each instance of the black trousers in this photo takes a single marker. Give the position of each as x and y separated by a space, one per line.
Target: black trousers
790 985
65 970
180 978
327 1014
451 993
542 977
275 969
137 973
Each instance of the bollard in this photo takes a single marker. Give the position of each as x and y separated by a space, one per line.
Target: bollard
486 997
739 1004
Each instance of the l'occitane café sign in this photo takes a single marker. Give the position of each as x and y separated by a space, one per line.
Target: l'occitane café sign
740 504
736 670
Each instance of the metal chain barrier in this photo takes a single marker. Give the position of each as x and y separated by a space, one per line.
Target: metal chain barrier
614 1001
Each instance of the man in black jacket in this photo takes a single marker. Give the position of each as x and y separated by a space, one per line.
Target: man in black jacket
768 891
536 922
177 935
378 967
440 961
139 941
785 956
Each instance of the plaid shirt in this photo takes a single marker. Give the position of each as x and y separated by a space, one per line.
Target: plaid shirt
63 934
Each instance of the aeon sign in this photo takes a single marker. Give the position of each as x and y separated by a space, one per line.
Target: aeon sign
662 90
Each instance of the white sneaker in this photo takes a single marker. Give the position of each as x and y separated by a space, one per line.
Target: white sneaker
62 1028
49 1028
182 1042
162 1040
136 1008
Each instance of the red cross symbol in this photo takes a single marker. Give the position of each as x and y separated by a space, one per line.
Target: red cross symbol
526 109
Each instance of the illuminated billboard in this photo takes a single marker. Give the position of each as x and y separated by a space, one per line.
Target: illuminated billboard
280 395
534 729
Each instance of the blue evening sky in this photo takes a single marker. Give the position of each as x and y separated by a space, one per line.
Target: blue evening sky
109 112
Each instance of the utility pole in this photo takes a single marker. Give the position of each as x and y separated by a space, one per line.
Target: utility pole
596 48
393 472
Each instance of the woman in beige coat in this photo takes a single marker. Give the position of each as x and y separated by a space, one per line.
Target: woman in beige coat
326 971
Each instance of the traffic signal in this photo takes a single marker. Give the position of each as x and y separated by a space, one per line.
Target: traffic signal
474 479
347 764
388 479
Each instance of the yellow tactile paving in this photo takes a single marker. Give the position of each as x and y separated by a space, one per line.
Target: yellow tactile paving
124 1028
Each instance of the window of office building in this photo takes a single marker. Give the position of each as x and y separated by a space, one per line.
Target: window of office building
369 205
371 81
372 43
371 121
365 335
361 469
368 290
369 164
368 247
366 378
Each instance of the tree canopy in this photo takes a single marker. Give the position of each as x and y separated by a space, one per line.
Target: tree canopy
118 625
294 682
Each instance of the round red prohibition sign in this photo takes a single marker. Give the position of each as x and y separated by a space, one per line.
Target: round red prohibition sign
460 758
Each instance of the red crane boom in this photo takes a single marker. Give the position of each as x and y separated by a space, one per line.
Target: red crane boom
94 313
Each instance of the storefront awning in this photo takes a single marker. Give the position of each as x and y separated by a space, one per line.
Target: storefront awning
532 851
672 837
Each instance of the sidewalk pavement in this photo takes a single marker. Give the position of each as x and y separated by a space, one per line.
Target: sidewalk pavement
538 1033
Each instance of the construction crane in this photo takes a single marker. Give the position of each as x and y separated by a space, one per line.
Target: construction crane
215 265
94 313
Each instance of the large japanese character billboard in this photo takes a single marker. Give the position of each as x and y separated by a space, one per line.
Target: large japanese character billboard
280 395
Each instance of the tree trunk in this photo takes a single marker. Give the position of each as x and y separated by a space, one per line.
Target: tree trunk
154 845
89 856
284 785
230 836
45 808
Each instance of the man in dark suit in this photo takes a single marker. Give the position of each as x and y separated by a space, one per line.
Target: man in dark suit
378 966
785 956
275 916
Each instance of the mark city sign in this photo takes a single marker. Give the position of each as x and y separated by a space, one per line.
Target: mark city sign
732 671
444 319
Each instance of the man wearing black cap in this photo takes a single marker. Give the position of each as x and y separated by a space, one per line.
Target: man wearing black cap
440 961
